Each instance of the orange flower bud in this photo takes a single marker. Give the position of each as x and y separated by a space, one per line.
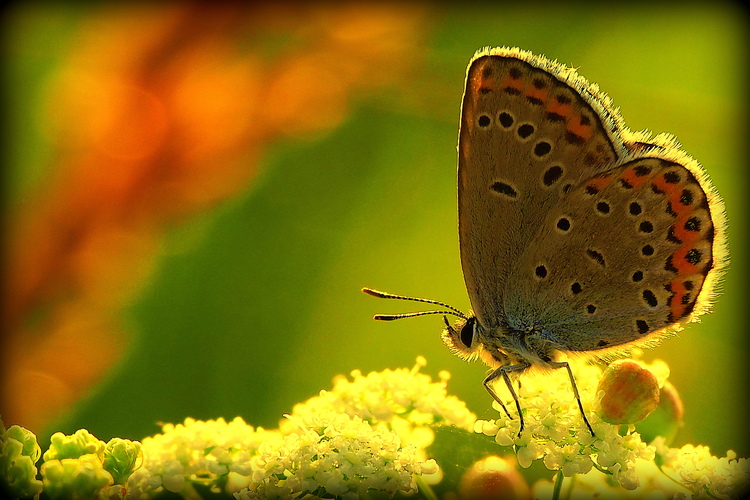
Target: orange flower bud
631 393
493 477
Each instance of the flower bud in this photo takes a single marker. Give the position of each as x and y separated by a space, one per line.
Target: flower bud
631 392
493 477
17 469
81 477
121 458
666 419
74 446
27 439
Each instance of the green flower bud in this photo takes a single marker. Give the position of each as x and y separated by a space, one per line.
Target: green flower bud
75 478
666 419
27 438
121 458
74 446
631 392
493 477
17 469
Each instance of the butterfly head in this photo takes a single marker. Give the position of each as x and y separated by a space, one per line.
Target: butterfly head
462 337
466 337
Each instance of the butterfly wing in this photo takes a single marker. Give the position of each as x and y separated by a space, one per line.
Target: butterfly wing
527 136
625 257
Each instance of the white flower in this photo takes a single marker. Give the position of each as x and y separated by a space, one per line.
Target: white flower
335 454
555 432
407 401
366 434
704 474
209 449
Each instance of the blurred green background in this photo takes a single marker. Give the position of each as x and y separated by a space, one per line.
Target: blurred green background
254 304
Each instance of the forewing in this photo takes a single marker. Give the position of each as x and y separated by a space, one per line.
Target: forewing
527 136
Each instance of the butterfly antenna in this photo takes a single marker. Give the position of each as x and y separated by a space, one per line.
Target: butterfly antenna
390 317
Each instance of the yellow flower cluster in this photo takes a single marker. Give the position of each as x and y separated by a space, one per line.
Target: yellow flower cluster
556 434
407 401
705 475
197 451
366 434
333 454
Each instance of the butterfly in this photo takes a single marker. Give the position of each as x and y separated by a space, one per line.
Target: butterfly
577 235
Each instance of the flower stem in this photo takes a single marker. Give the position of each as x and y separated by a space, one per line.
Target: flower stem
558 485
708 492
572 484
425 489
675 481
601 469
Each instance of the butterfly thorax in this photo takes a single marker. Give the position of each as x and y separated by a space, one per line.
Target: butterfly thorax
499 345
505 345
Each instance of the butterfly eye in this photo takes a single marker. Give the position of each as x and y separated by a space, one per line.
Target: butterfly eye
467 332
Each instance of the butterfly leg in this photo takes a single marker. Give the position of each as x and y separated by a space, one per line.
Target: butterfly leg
503 371
564 364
